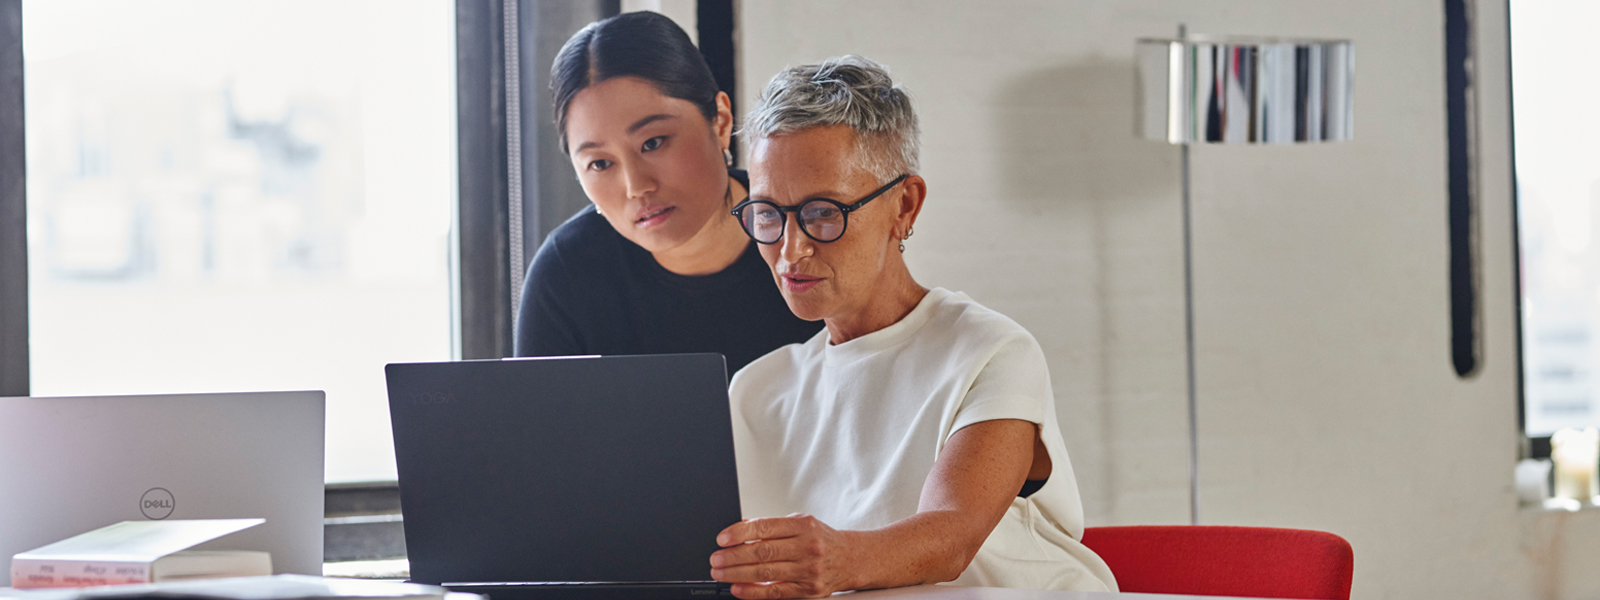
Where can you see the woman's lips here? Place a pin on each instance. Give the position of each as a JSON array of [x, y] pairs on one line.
[[655, 216], [799, 283]]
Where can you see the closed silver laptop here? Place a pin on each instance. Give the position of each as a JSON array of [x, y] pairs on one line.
[[74, 464]]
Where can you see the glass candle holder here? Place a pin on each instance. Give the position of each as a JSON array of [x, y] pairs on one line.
[[1576, 454]]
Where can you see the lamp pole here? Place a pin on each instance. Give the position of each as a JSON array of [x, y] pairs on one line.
[[1188, 332]]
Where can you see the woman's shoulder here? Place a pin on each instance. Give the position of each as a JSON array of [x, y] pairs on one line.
[[585, 231], [968, 337], [584, 243], [958, 316]]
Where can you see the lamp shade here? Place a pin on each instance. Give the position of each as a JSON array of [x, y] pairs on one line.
[[1202, 89]]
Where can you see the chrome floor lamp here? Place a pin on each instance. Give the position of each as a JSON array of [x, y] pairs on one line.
[[1237, 90]]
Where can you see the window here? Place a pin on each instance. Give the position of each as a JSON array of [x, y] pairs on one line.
[[1558, 211], [236, 195]]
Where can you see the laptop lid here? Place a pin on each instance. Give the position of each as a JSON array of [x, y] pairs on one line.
[[75, 464], [591, 469]]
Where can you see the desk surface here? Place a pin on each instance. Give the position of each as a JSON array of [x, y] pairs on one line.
[[398, 569], [919, 592], [950, 592]]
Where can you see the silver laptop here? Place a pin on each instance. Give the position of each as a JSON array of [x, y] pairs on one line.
[[74, 464]]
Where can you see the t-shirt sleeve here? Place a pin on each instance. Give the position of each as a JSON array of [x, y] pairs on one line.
[[545, 326], [1013, 384]]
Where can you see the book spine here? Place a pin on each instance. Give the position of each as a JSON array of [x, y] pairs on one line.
[[41, 573]]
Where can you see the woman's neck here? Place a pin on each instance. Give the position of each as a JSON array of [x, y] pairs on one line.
[[886, 305], [718, 244]]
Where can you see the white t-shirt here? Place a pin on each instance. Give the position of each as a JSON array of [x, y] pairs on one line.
[[848, 433]]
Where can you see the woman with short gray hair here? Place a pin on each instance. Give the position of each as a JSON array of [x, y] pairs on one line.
[[913, 440]]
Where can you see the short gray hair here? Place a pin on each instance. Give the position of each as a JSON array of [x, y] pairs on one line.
[[847, 90]]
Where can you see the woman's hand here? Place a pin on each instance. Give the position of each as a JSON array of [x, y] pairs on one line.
[[796, 556], [972, 484]]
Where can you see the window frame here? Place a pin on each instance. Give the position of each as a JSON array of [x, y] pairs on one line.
[[484, 272], [481, 233], [13, 207]]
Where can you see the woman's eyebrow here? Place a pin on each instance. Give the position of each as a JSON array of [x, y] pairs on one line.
[[637, 125]]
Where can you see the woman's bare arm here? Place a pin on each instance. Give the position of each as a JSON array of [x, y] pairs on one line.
[[973, 482]]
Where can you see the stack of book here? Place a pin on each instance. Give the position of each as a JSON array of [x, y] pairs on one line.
[[139, 552]]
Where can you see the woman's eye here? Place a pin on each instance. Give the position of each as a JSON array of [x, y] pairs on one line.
[[600, 165], [653, 143]]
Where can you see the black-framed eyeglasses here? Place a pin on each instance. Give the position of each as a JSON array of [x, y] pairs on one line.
[[821, 219]]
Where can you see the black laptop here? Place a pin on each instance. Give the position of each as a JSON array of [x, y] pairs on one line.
[[568, 477]]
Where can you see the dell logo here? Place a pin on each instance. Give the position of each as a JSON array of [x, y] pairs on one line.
[[431, 398], [157, 504]]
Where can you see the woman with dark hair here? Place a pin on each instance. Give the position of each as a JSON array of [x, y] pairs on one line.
[[656, 264]]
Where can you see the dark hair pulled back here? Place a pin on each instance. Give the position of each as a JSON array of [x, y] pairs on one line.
[[646, 45]]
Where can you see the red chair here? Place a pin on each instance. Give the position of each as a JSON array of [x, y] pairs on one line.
[[1255, 562]]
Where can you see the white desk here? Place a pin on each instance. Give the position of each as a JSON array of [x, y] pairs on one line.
[[919, 592], [398, 569]]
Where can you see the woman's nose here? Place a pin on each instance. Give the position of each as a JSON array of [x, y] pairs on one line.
[[796, 243], [641, 181]]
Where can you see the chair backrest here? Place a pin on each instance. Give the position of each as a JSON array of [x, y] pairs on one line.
[[1253, 562]]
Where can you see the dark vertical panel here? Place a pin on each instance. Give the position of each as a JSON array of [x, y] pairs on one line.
[[13, 208], [511, 25], [715, 24], [1464, 343], [482, 226], [534, 96]]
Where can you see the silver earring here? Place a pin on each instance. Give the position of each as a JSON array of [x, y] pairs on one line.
[[727, 156], [902, 247], [598, 211], [910, 231]]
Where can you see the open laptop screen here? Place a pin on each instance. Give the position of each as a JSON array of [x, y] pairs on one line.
[[595, 469], [76, 464]]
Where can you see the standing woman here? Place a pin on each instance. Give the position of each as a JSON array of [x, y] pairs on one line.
[[656, 264]]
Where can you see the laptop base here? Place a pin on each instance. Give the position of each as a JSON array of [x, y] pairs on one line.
[[686, 590]]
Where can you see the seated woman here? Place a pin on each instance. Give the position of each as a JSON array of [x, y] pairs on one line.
[[914, 439]]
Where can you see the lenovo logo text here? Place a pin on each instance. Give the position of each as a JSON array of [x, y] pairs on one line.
[[431, 398]]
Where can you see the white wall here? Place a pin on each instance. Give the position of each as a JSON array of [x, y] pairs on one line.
[[683, 12], [1327, 396]]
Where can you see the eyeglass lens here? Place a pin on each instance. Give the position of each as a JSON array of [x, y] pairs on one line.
[[822, 220]]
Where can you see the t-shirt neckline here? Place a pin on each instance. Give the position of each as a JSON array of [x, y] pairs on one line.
[[887, 337]]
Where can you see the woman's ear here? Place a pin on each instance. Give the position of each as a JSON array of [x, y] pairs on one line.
[[723, 125], [910, 203]]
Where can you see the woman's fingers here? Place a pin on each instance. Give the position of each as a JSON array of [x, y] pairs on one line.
[[787, 557], [785, 549], [764, 529], [766, 572]]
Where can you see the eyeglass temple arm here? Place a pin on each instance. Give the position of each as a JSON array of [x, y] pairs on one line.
[[870, 197]]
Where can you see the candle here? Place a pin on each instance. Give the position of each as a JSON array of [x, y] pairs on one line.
[[1577, 463], [1533, 481]]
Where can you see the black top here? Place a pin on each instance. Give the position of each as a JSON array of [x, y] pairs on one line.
[[591, 291]]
